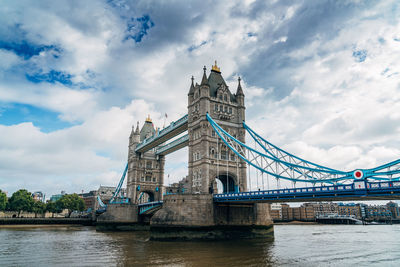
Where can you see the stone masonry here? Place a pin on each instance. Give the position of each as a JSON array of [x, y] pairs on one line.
[[209, 158]]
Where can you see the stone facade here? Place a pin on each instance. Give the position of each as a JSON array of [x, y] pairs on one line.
[[145, 170], [209, 158]]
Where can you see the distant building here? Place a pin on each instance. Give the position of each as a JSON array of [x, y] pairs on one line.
[[350, 209], [89, 199], [323, 208], [394, 209], [276, 212], [56, 197], [377, 212], [38, 196], [310, 211]]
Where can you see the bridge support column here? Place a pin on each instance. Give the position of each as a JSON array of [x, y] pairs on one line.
[[196, 216], [120, 217]]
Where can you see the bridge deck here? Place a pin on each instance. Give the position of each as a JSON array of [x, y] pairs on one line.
[[173, 146], [372, 191], [174, 129]]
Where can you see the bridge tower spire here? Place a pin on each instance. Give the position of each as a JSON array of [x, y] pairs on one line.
[[210, 160]]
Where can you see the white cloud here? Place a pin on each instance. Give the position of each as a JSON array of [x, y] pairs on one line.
[[304, 89]]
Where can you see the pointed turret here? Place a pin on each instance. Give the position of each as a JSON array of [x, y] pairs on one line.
[[240, 100], [137, 128], [204, 80], [135, 135], [191, 91], [239, 90]]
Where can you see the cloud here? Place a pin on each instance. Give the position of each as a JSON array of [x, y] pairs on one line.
[[320, 79]]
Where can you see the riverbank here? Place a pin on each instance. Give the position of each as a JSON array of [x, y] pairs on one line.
[[295, 223], [46, 221]]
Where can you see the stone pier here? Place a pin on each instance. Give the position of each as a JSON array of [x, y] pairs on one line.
[[121, 217], [197, 217]]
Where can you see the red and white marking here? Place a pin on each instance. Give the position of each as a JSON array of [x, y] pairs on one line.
[[358, 174]]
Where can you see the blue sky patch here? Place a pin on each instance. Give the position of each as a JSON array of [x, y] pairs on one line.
[[51, 77], [25, 49], [360, 55], [46, 120], [194, 47], [137, 28]]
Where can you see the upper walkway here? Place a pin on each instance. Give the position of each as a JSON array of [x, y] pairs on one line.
[[172, 130]]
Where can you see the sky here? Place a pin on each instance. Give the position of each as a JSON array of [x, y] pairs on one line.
[[320, 78]]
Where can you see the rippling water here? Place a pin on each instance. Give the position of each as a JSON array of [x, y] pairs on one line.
[[294, 245]]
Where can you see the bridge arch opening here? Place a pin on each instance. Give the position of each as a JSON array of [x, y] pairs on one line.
[[145, 196], [226, 183]]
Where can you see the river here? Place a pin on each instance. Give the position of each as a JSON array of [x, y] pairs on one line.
[[294, 245]]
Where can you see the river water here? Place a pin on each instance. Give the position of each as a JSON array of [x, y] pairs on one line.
[[294, 245]]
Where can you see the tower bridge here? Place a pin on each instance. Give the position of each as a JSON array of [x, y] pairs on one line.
[[214, 131]]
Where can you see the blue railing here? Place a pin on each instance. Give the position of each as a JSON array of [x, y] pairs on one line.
[[358, 188], [148, 206]]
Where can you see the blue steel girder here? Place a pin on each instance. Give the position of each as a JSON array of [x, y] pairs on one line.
[[277, 168], [172, 130], [173, 146], [389, 171], [282, 165], [119, 186]]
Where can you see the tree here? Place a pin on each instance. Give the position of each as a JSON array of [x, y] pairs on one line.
[[21, 201], [53, 207], [3, 200], [71, 202], [38, 207]]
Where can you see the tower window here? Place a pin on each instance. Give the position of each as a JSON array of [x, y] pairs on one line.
[[223, 154], [220, 97], [148, 165], [225, 98]]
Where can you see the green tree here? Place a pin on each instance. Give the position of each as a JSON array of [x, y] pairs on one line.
[[53, 207], [71, 202], [38, 208], [3, 200], [21, 201]]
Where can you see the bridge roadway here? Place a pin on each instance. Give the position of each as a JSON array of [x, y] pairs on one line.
[[358, 191], [171, 131]]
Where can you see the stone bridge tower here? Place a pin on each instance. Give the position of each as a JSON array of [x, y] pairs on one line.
[[145, 170], [209, 159]]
